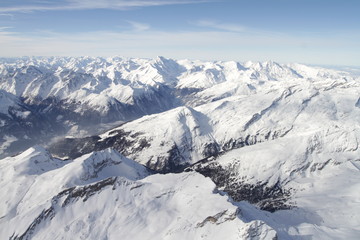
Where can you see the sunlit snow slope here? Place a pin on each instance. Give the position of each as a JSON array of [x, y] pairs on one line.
[[105, 195], [201, 150]]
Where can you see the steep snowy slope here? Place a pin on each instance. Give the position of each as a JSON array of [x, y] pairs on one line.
[[295, 108], [33, 177], [75, 94], [99, 196], [25, 177], [278, 147]]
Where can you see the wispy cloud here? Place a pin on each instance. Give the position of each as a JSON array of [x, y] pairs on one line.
[[139, 27], [2, 29], [207, 45], [230, 27], [123, 4], [7, 15], [91, 4]]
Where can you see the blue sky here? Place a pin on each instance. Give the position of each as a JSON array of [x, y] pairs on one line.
[[306, 31]]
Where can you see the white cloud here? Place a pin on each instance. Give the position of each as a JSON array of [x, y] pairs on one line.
[[136, 26], [4, 28], [220, 26], [92, 4], [207, 45], [7, 15]]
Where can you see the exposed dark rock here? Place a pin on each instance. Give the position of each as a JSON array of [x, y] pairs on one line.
[[70, 148], [173, 163], [266, 198], [76, 147], [211, 149], [219, 218], [126, 144], [253, 231], [357, 104], [86, 191]]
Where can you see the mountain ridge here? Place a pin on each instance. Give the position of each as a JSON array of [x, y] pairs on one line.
[[283, 138], [74, 94]]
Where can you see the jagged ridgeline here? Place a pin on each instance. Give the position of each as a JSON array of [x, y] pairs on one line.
[[43, 98]]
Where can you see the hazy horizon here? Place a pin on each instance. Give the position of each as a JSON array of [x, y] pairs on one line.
[[318, 33]]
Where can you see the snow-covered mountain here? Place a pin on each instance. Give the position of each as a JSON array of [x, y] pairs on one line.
[[105, 195], [283, 138], [49, 97]]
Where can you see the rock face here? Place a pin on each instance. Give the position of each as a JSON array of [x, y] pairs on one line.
[[279, 138]]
